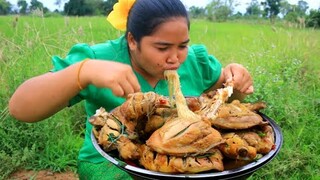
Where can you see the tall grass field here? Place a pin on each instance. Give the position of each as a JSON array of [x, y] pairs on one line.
[[284, 62]]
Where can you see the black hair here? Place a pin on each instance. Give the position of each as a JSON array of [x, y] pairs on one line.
[[146, 15]]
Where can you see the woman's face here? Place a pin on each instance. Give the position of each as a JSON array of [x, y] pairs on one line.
[[165, 49]]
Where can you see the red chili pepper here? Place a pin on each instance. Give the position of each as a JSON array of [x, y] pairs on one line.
[[163, 101]]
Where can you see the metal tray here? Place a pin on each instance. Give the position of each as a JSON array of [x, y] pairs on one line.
[[241, 172]]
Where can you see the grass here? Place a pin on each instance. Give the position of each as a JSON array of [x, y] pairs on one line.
[[283, 61]]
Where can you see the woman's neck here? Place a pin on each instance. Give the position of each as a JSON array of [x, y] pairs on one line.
[[151, 80]]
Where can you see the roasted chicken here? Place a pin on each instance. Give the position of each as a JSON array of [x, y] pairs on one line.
[[119, 129], [184, 135], [212, 160]]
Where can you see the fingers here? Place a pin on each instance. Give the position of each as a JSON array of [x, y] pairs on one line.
[[117, 90], [243, 83], [228, 75], [123, 89], [118, 77], [250, 90], [240, 77], [132, 79], [128, 85]]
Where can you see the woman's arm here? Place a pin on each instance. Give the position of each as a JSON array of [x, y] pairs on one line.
[[42, 96]]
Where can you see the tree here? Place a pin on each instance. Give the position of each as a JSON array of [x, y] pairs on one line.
[[223, 13], [77, 8], [23, 5], [88, 7], [254, 8], [292, 17], [285, 8], [219, 10], [237, 15], [302, 8], [294, 13], [313, 20], [271, 9], [59, 2], [5, 7], [35, 4], [108, 6], [96, 6], [197, 12]]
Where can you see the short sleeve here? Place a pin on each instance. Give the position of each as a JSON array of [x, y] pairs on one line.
[[77, 53], [208, 65]]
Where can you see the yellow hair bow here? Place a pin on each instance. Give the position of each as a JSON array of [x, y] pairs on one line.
[[119, 15]]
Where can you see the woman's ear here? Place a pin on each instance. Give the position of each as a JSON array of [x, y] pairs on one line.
[[133, 45]]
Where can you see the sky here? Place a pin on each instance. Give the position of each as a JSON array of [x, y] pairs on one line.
[[313, 4], [243, 4]]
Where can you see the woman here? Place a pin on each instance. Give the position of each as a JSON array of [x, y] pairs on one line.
[[156, 39]]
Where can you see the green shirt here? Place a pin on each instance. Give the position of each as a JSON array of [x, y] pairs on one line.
[[198, 73]]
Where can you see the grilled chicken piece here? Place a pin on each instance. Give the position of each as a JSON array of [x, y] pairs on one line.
[[119, 129], [261, 138], [180, 137], [158, 118], [235, 147], [110, 134], [154, 161], [186, 134], [105, 127], [255, 106], [213, 100], [137, 106], [246, 144], [236, 115]]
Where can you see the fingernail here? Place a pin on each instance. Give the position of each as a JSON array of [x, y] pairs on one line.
[[251, 89], [229, 80]]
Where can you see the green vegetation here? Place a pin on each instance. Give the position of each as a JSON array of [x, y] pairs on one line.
[[215, 10], [283, 61]]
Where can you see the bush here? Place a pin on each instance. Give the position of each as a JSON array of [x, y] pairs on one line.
[[313, 20]]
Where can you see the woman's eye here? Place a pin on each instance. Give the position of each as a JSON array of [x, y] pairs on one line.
[[183, 47], [162, 49]]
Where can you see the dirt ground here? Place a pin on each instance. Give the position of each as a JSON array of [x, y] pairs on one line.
[[42, 175]]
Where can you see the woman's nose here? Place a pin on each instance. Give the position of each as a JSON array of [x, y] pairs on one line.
[[173, 58]]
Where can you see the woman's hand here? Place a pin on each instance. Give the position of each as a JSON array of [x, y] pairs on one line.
[[39, 97], [118, 77], [240, 77]]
